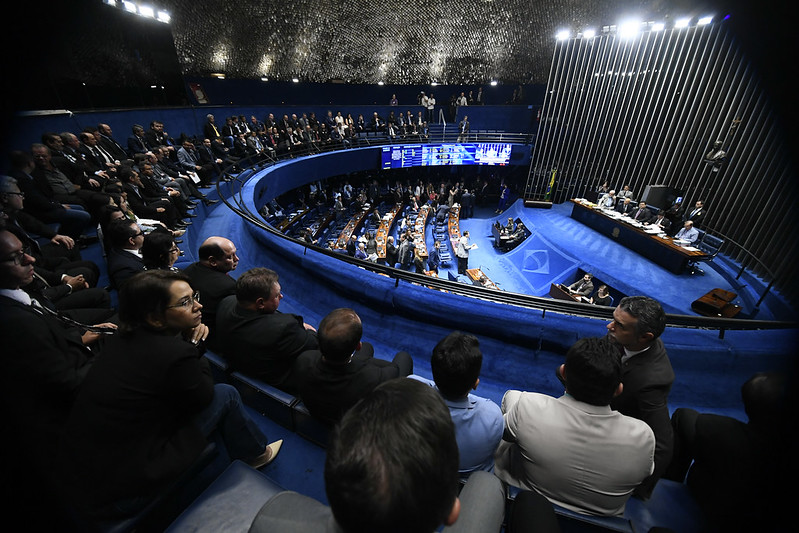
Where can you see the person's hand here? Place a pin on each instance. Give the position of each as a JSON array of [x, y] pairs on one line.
[[63, 240], [90, 337], [160, 209], [309, 327], [197, 334], [76, 282], [94, 183]]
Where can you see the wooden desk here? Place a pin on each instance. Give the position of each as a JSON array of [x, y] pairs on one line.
[[661, 250], [323, 221], [454, 227], [385, 228], [717, 302], [291, 220], [352, 226], [478, 277], [560, 292], [419, 226]]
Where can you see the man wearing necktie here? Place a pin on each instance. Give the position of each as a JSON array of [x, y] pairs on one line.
[[642, 214], [697, 213]]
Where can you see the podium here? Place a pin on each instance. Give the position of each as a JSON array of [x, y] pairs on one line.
[[718, 303], [560, 292]]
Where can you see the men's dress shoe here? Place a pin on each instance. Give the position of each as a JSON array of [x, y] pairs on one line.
[[268, 456], [178, 233], [192, 204], [209, 201], [179, 241], [190, 215]]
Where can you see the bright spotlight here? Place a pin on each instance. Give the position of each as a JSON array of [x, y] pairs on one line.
[[164, 17], [493, 83], [295, 80], [629, 29], [380, 83], [147, 11], [658, 26], [589, 34], [562, 35], [704, 21], [130, 7], [682, 23]]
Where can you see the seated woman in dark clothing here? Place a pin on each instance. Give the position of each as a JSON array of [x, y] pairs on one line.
[[160, 251], [148, 405]]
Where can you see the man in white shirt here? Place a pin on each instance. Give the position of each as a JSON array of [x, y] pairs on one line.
[[688, 233], [576, 450]]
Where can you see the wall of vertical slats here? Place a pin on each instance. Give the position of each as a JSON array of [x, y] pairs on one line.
[[647, 110]]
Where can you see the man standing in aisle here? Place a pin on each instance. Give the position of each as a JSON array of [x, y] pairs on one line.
[[462, 252]]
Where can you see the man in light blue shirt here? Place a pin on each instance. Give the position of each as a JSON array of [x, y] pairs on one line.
[[688, 233], [456, 364]]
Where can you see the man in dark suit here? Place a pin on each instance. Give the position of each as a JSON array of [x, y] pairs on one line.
[[124, 258], [105, 138], [626, 207], [145, 204], [736, 467], [210, 129], [45, 362], [583, 287], [661, 220], [641, 213], [647, 376], [136, 142], [343, 370], [255, 337], [210, 276], [697, 214]]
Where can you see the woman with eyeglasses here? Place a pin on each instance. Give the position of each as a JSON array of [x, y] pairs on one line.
[[149, 405], [160, 251]]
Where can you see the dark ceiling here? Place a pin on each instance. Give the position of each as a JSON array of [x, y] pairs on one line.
[[396, 42]]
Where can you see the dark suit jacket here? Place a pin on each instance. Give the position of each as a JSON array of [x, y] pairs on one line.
[[132, 427], [626, 209], [647, 379], [213, 286], [44, 364], [263, 346], [122, 266], [644, 217], [328, 391]]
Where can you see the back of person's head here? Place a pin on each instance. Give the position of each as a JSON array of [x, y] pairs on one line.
[[119, 232], [339, 334], [125, 173], [20, 160], [210, 248], [392, 462], [649, 312], [256, 283], [592, 371], [456, 364], [145, 295], [156, 249], [764, 396]]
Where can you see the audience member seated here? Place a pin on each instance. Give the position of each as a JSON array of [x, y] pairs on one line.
[[159, 251], [516, 238], [602, 296], [392, 467], [53, 183], [332, 378], [146, 205], [124, 257], [456, 364], [44, 364], [660, 221], [583, 287], [211, 277], [688, 233], [607, 200], [736, 469], [255, 337], [576, 450], [72, 219], [641, 214], [626, 207], [149, 406], [638, 322]]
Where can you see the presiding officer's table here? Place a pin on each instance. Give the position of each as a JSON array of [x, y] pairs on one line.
[[659, 248]]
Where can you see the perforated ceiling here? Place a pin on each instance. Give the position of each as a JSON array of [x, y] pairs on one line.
[[395, 41]]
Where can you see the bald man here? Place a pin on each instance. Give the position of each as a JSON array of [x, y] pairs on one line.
[[211, 277]]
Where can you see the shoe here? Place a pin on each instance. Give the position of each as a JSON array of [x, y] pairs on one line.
[[209, 201], [179, 241], [178, 232], [191, 205], [268, 456], [189, 215]]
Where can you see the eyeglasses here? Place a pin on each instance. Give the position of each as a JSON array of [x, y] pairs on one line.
[[18, 257], [187, 303]]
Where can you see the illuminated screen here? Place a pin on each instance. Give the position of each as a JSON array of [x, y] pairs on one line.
[[423, 155]]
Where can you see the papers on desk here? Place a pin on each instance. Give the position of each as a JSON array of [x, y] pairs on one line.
[[654, 230], [691, 249]]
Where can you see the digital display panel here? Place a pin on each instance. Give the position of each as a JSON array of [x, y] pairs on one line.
[[422, 155]]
